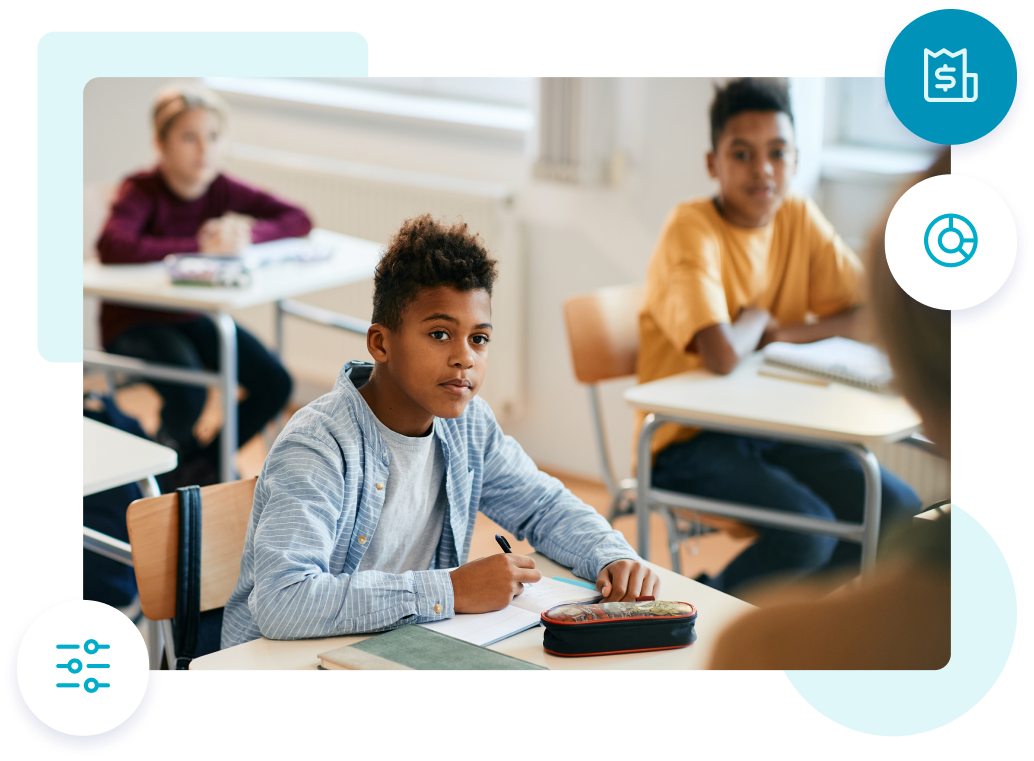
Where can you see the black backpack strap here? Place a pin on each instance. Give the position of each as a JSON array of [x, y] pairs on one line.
[[188, 576]]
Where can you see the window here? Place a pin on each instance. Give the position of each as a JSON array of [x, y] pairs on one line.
[[502, 104]]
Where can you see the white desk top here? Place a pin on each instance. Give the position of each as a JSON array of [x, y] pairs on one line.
[[149, 285], [744, 398], [714, 611], [112, 457]]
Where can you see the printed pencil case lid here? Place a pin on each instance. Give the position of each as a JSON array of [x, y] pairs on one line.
[[608, 628]]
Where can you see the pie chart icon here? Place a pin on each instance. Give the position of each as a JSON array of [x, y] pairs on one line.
[[951, 240]]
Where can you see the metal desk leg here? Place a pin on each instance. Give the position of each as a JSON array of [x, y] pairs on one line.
[[149, 487], [644, 467], [871, 511], [227, 331], [278, 333], [278, 329], [155, 645]]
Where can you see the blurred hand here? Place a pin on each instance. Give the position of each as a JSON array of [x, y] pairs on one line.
[[490, 583], [226, 235], [625, 580]]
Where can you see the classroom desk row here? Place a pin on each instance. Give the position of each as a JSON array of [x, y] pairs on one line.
[[743, 402]]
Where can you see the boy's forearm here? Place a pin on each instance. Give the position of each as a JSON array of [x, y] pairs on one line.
[[722, 346], [850, 323], [324, 605]]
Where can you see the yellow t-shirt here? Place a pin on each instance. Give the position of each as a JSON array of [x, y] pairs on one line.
[[705, 270]]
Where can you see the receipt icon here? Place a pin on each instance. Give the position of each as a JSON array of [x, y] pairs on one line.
[[946, 79]]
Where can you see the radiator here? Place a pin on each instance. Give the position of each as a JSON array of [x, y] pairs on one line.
[[928, 474], [371, 202]]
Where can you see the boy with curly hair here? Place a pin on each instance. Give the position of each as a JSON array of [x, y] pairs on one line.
[[365, 506]]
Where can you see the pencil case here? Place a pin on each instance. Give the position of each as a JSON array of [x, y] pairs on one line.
[[608, 628]]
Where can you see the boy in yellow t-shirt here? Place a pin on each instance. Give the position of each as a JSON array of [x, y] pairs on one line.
[[730, 274]]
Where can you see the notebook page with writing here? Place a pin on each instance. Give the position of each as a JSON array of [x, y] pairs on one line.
[[522, 613]]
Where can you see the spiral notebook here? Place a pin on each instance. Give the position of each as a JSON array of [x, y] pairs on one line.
[[838, 359]]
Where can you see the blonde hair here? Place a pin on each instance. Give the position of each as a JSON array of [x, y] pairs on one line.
[[175, 100]]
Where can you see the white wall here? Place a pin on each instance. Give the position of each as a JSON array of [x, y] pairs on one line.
[[576, 238]]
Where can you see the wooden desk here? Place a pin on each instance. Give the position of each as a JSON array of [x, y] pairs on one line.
[[715, 611], [112, 458], [750, 404], [148, 285]]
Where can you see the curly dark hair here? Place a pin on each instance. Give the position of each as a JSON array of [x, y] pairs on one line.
[[425, 253], [747, 94]]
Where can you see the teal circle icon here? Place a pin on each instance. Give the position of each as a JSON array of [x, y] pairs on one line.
[[951, 240], [950, 76], [91, 685], [74, 666], [92, 646]]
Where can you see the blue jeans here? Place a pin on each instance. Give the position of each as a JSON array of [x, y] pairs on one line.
[[806, 480], [195, 344]]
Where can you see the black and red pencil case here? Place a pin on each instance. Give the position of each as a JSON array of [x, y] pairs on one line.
[[609, 628]]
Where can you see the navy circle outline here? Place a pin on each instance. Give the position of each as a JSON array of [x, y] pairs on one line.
[[973, 240], [69, 744], [982, 147], [984, 312]]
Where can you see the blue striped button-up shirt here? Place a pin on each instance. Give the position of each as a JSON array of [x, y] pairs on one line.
[[317, 505]]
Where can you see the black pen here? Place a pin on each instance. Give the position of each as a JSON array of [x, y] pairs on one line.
[[503, 543]]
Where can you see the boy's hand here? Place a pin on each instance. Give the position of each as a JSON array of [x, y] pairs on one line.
[[625, 580], [490, 583], [228, 234]]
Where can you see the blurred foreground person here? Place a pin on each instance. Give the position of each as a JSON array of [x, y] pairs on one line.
[[901, 617]]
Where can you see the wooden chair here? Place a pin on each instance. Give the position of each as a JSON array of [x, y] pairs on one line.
[[153, 525], [603, 332]]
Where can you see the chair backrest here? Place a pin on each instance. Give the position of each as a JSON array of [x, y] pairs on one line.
[[603, 331], [153, 525]]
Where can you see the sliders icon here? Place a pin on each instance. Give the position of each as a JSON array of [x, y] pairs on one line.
[[74, 666]]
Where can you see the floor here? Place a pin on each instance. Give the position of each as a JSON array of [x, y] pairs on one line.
[[709, 554]]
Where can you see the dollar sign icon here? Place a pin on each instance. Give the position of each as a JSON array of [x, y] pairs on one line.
[[940, 74]]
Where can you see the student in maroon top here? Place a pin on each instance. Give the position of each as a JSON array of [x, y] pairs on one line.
[[185, 205]]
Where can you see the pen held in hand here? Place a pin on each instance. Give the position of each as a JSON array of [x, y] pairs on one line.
[[501, 541]]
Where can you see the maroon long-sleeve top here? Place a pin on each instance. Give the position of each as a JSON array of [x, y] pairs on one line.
[[149, 221]]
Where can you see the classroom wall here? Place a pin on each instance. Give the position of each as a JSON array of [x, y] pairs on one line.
[[576, 238]]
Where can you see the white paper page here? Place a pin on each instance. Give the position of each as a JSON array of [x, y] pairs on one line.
[[284, 250], [543, 595], [486, 628], [836, 356]]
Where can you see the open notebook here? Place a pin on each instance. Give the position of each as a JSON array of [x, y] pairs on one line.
[[839, 359], [522, 613], [235, 271]]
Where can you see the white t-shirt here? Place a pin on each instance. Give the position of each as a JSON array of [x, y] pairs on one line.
[[414, 505]]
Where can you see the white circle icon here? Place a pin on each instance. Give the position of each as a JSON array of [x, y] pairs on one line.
[[951, 242], [82, 668]]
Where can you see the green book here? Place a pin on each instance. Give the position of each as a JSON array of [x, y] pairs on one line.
[[414, 647]]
